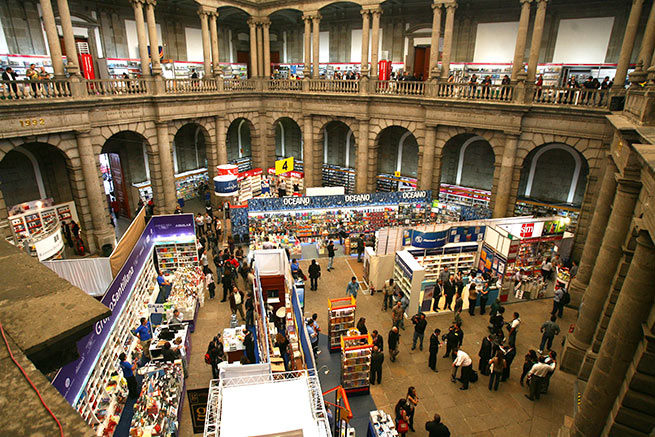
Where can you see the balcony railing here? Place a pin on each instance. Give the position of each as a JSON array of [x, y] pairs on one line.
[[570, 96], [116, 87], [42, 89], [11, 91]]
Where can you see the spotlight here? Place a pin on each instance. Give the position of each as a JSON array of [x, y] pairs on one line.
[[326, 372]]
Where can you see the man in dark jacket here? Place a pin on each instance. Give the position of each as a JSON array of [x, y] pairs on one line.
[[393, 341], [249, 344], [330, 251], [436, 428], [485, 354], [377, 358], [377, 340], [449, 288], [314, 273], [228, 277], [419, 329], [434, 349], [454, 339]]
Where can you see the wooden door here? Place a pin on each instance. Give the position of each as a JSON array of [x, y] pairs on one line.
[[244, 58], [421, 61]]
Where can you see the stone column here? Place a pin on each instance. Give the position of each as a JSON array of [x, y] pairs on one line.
[[206, 41], [434, 41], [595, 234], [307, 69], [221, 142], [166, 164], [501, 202], [260, 50], [537, 36], [427, 170], [102, 233], [152, 35], [308, 150], [375, 32], [316, 22], [362, 157], [253, 47], [609, 255], [623, 335], [628, 45], [266, 25], [448, 39], [53, 38], [365, 30], [141, 35], [213, 31], [69, 38], [648, 41], [521, 39]]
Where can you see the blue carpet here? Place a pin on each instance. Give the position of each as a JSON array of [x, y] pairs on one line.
[[360, 405]]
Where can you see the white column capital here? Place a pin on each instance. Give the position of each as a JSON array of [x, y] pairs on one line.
[[252, 22], [365, 12], [436, 6], [202, 13], [265, 22]]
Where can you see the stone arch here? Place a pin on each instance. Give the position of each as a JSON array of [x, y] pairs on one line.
[[224, 6], [240, 138], [555, 173], [191, 155], [337, 144], [397, 150], [326, 3], [146, 129], [288, 137]]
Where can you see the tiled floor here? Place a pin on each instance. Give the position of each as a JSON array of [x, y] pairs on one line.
[[474, 412]]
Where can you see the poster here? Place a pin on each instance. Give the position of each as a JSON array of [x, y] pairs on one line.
[[428, 295]]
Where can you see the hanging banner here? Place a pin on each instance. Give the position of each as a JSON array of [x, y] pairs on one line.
[[283, 165]]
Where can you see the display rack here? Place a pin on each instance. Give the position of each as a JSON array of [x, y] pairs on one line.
[[356, 362], [408, 275], [387, 183], [460, 257], [341, 318], [562, 277], [187, 183], [176, 254], [97, 405], [35, 221], [243, 164], [250, 184], [336, 176], [464, 195], [187, 293], [144, 189], [528, 207]]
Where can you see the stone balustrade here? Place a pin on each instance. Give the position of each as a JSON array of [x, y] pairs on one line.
[[11, 91]]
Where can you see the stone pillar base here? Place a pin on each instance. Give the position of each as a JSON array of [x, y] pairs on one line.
[[573, 355], [158, 85], [587, 364], [576, 291]]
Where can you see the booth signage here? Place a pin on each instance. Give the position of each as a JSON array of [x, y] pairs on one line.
[[431, 240], [525, 230], [49, 246], [283, 165], [71, 378]]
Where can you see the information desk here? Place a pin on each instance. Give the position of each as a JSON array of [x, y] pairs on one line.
[[233, 343], [168, 333]]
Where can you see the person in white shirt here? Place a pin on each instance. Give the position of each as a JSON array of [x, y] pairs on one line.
[[463, 361], [267, 244], [513, 329], [177, 316], [537, 376]]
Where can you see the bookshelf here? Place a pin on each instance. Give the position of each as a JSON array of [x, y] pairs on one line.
[[341, 318], [174, 255], [356, 362]]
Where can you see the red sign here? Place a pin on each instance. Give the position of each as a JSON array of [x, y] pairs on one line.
[[526, 230]]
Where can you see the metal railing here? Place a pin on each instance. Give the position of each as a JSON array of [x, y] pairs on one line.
[[42, 89], [116, 87], [400, 88], [185, 86], [465, 91], [333, 86], [570, 96]]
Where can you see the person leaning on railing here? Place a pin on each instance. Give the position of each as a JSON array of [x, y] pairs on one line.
[[44, 77], [10, 76]]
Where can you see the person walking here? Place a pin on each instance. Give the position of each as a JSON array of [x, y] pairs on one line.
[[531, 359], [497, 365], [558, 302], [394, 342], [397, 314], [513, 329], [549, 330], [352, 288], [536, 377], [360, 247], [485, 354], [314, 271], [462, 361], [377, 358], [434, 349], [419, 329], [330, 252], [388, 290], [454, 339], [209, 282], [437, 429]]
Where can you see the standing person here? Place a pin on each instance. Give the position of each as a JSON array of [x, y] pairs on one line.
[[377, 358], [250, 279], [394, 342], [314, 271], [531, 359], [352, 288], [67, 233], [397, 314], [330, 251], [484, 296], [401, 418], [419, 329], [162, 282], [463, 361], [387, 294], [444, 275], [33, 76], [436, 428], [250, 310], [459, 304], [313, 335], [497, 365], [218, 226], [449, 291], [404, 303], [226, 280], [360, 247], [144, 332], [377, 340], [454, 339], [485, 354], [536, 377], [558, 302], [209, 282], [361, 326], [200, 224], [128, 374], [236, 302], [434, 349], [513, 329], [249, 344], [509, 354], [75, 229], [549, 330], [10, 76], [473, 298], [412, 402]]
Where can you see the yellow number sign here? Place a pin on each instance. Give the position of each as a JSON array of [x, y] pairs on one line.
[[283, 165], [396, 174]]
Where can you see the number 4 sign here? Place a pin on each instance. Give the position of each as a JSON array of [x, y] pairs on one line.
[[283, 166]]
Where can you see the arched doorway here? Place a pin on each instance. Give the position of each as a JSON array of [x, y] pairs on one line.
[[234, 35], [339, 156], [286, 36], [397, 167], [467, 171], [553, 181], [288, 139], [125, 169], [239, 143], [190, 161]]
